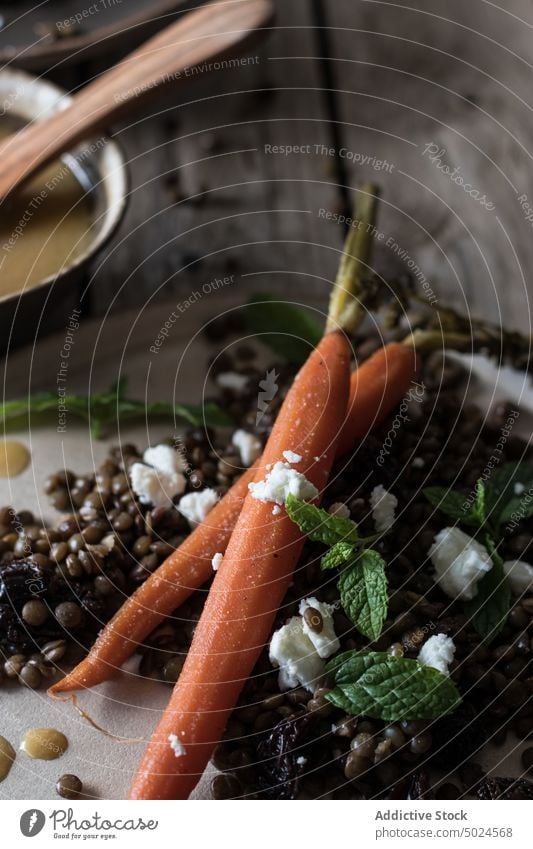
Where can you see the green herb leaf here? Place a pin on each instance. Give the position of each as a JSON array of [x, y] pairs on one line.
[[453, 504], [391, 688], [503, 505], [318, 524], [478, 510], [288, 329], [336, 556], [490, 607], [363, 591], [104, 410]]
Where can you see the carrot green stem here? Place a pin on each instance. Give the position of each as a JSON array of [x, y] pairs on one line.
[[346, 302], [435, 340]]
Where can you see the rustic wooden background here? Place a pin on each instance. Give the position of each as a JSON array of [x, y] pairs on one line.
[[378, 79]]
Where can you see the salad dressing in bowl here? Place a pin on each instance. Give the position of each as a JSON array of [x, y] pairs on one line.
[[46, 225]]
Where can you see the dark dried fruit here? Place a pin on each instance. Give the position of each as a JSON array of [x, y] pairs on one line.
[[21, 580], [419, 786], [414, 786], [13, 635], [279, 752], [505, 788]]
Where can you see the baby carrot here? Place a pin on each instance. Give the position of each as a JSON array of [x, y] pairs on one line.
[[376, 388], [259, 561], [249, 586]]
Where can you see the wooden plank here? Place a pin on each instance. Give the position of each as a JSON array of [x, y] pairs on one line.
[[214, 191], [443, 85]]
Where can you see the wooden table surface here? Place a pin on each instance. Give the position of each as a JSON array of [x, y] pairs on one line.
[[416, 97]]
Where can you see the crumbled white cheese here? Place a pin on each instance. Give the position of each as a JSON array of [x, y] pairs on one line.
[[294, 653], [325, 642], [301, 761], [520, 576], [153, 487], [232, 380], [339, 509], [216, 561], [165, 459], [177, 747], [291, 457], [418, 463], [437, 652], [248, 446], [460, 563], [383, 505], [300, 652], [196, 505], [159, 477], [276, 510], [281, 481], [518, 488]]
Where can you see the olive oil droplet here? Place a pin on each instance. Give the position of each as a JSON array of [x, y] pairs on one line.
[[45, 744], [14, 457]]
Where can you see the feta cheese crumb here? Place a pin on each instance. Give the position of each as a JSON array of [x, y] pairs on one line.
[[276, 510], [159, 478], [216, 561], [518, 488], [520, 576], [291, 457], [299, 651], [437, 652], [153, 487], [460, 563], [166, 459], [339, 509], [418, 463], [232, 380], [177, 747], [325, 642], [301, 761], [281, 481], [383, 505], [248, 445], [196, 505], [294, 653]]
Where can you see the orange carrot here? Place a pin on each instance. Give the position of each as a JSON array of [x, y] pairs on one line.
[[264, 548], [250, 583], [376, 387]]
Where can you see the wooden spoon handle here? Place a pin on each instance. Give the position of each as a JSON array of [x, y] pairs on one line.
[[212, 31]]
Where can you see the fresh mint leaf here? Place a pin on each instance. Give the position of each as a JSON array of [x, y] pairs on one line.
[[447, 501], [340, 553], [501, 500], [490, 607], [363, 592], [391, 688], [453, 504], [288, 329], [318, 524], [478, 509]]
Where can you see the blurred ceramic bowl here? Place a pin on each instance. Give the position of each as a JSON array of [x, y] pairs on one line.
[[101, 170]]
